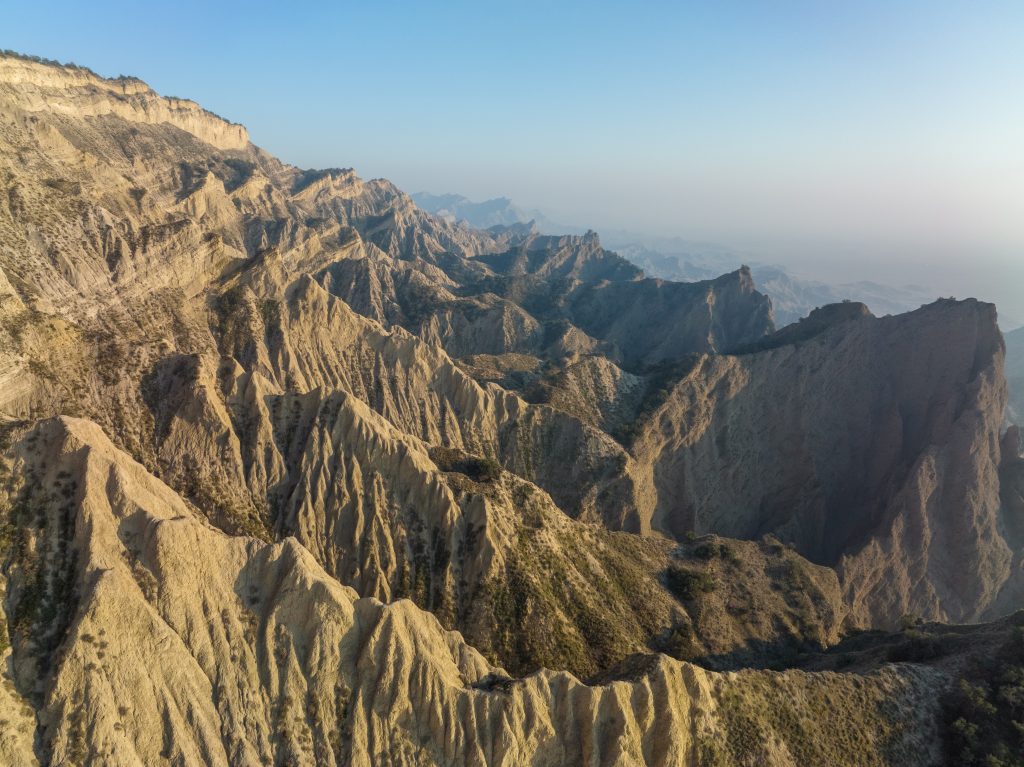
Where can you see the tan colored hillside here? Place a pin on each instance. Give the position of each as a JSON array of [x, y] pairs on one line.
[[293, 472]]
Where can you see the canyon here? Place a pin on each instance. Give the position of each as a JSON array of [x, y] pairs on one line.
[[296, 472]]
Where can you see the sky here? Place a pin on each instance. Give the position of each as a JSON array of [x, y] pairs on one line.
[[867, 140]]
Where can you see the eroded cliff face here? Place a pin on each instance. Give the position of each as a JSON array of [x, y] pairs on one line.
[[871, 444], [284, 430], [263, 657], [32, 88]]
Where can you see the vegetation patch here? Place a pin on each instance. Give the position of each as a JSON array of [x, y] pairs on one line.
[[680, 641], [478, 469], [836, 721], [984, 712], [579, 601], [661, 379], [226, 511], [39, 529], [687, 584], [707, 550]]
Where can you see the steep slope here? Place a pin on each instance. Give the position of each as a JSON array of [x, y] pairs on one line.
[[143, 311], [1011, 493], [871, 444], [392, 517], [712, 316], [556, 297], [330, 398], [264, 658]]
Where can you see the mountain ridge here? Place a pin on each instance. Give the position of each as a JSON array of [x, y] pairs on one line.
[[673, 258], [383, 489]]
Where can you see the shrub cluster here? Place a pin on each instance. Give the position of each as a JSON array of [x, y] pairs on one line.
[[985, 711], [687, 584], [710, 550], [478, 469]]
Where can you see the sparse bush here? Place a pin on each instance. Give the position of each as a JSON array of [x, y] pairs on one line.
[[909, 621], [711, 549], [916, 648], [661, 379], [686, 584], [476, 468], [985, 713], [680, 642], [706, 551]]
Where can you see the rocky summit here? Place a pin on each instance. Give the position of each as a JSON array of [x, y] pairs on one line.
[[293, 472]]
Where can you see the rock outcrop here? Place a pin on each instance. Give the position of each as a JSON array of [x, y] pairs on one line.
[[33, 87]]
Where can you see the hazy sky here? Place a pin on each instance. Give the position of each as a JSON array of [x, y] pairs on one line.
[[869, 138]]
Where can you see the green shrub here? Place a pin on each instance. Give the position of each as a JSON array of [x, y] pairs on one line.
[[706, 551], [686, 584], [679, 641], [917, 648], [710, 550], [984, 712], [476, 468]]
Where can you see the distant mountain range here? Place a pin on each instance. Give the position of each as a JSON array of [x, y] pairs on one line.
[[679, 259], [792, 297], [500, 211], [675, 258]]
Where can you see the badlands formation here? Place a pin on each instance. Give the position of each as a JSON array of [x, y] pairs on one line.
[[295, 473]]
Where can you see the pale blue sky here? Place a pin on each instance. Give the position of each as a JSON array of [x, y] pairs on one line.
[[864, 136]]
